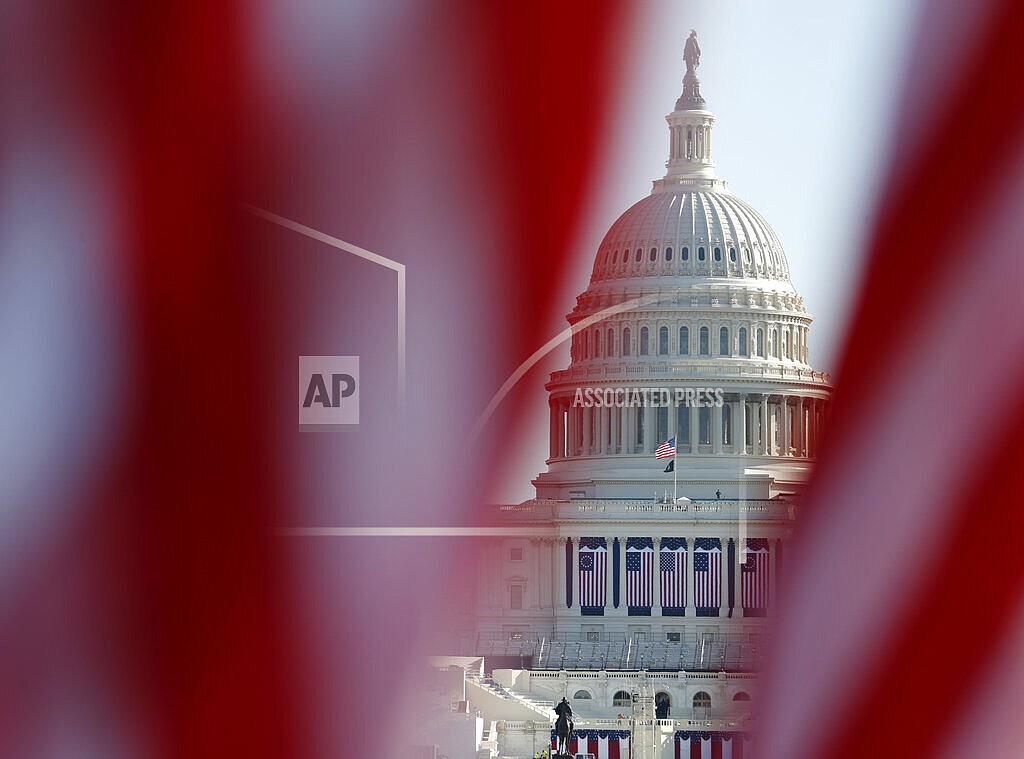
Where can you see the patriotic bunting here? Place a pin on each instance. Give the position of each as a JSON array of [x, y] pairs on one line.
[[639, 575]]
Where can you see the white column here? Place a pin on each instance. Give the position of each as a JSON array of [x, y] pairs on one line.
[[570, 430], [762, 444], [650, 428], [552, 426], [785, 439], [616, 415], [587, 417], [739, 425], [801, 417], [694, 429], [716, 429]]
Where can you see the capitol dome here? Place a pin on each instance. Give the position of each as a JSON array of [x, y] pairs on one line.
[[690, 292], [691, 232]]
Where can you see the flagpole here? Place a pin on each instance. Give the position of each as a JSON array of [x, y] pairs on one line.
[[675, 467]]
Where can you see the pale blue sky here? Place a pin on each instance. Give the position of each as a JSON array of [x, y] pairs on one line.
[[804, 93]]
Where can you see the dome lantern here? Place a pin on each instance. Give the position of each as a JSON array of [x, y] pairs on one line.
[[690, 126]]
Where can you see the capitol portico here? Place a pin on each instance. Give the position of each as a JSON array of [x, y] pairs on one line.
[[647, 564]]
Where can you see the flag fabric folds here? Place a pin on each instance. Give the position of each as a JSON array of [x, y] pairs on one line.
[[707, 576], [666, 450], [593, 568], [639, 575], [755, 578], [672, 569]]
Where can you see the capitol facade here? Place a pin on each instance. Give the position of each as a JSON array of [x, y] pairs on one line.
[[637, 584]]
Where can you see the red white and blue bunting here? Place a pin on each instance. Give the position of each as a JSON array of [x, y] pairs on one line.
[[692, 744], [603, 744]]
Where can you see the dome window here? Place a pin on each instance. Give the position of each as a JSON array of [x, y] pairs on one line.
[[704, 340], [746, 256], [668, 254], [700, 254], [723, 341], [685, 253], [684, 341], [639, 255], [615, 257], [718, 254], [663, 341], [609, 345], [626, 347], [732, 254], [743, 341], [654, 255], [760, 343], [644, 339], [597, 342]]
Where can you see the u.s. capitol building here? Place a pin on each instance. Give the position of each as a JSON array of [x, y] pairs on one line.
[[640, 594]]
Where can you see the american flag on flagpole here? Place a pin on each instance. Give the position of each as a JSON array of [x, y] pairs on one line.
[[707, 573], [672, 566], [754, 572], [639, 573], [666, 450], [593, 573]]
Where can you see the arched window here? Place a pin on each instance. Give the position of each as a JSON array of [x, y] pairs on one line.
[[597, 342], [741, 696], [746, 255], [663, 341], [626, 347], [775, 342], [732, 254], [685, 253], [582, 695], [644, 338], [760, 343], [668, 254], [615, 256], [702, 700], [639, 255], [700, 254], [654, 254], [684, 341], [704, 340], [723, 342], [743, 341], [585, 337], [621, 698], [718, 254]]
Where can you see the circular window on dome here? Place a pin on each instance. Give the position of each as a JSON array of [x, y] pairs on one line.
[[668, 254], [718, 254], [732, 254], [685, 253], [639, 255], [700, 254], [654, 254]]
